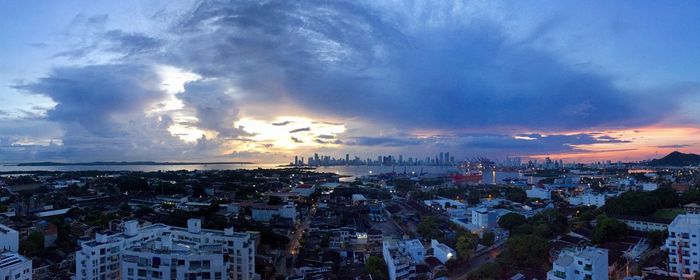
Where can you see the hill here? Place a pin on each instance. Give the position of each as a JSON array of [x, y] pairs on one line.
[[677, 158]]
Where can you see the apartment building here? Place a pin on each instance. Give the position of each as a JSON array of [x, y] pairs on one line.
[[14, 266], [401, 258], [682, 245], [165, 252], [589, 263]]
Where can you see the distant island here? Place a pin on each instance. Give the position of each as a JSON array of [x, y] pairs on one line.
[[101, 163], [677, 158]]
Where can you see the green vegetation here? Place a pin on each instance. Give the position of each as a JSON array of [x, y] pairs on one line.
[[608, 229], [511, 221], [33, 246], [488, 238], [428, 227], [657, 237], [669, 213], [642, 203], [465, 245], [525, 251], [375, 266], [516, 195]]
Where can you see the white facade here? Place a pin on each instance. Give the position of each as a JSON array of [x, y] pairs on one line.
[[682, 244], [576, 264], [9, 239], [164, 258], [643, 224], [442, 252], [265, 213], [541, 193], [14, 266], [304, 190], [108, 256], [647, 187], [401, 258], [483, 218], [588, 199]]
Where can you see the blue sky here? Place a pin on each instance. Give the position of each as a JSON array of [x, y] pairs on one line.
[[219, 80]]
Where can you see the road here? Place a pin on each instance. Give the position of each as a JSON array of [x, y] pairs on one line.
[[460, 273], [293, 247]]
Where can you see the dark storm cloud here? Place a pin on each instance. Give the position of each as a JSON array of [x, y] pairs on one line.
[[382, 141], [296, 140], [97, 98], [282, 123], [323, 141], [300, 130], [345, 59], [529, 144]]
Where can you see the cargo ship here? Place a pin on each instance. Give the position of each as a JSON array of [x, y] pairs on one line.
[[468, 177]]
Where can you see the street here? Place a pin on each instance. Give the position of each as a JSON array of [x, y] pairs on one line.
[[483, 257]]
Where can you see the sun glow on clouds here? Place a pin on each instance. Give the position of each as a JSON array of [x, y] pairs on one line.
[[173, 81], [642, 143], [288, 133]]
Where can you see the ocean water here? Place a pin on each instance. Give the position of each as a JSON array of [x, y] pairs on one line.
[[350, 172]]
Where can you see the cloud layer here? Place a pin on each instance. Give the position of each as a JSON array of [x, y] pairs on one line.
[[444, 78]]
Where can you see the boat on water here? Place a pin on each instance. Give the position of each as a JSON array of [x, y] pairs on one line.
[[466, 177]]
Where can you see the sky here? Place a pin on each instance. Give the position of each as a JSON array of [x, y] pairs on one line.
[[266, 80]]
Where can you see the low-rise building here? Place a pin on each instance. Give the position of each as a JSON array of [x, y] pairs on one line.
[[442, 252], [14, 266], [9, 239], [401, 258], [580, 264], [588, 199], [645, 224]]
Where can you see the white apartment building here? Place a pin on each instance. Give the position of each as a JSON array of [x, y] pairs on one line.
[[9, 239], [682, 244], [14, 266], [541, 193], [580, 264], [442, 252], [111, 255], [588, 199], [165, 258], [647, 187], [401, 258], [262, 212], [482, 218]]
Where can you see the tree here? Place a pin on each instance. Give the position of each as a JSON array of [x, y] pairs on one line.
[[526, 251], [274, 200], [473, 198], [488, 238], [523, 229], [375, 266], [656, 237], [557, 222], [428, 227], [516, 195], [465, 245], [487, 271], [34, 245], [608, 229], [511, 220]]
